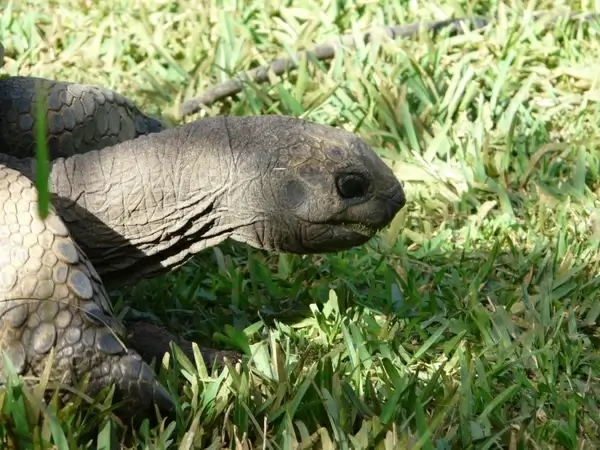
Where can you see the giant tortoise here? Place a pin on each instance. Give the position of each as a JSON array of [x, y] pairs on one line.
[[132, 198]]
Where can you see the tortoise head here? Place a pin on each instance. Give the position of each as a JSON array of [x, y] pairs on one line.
[[302, 187], [276, 183]]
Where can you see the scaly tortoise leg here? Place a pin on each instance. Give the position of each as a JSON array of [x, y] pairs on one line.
[[152, 342], [51, 297]]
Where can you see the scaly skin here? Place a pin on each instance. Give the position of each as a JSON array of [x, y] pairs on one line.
[[79, 117], [146, 205], [51, 297]]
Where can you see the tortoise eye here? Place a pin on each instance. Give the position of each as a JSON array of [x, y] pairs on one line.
[[352, 186]]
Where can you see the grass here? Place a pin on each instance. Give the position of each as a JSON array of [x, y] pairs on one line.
[[470, 323]]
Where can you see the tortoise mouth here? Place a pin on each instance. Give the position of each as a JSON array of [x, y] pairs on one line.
[[359, 228]]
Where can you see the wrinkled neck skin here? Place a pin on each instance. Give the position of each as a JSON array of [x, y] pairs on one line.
[[143, 207]]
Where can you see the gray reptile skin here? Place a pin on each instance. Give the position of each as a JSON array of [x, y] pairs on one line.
[[78, 117], [144, 206], [132, 200], [66, 306]]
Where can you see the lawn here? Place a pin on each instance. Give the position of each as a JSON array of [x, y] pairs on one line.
[[470, 323]]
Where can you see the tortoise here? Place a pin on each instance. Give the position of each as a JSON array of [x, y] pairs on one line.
[[132, 198]]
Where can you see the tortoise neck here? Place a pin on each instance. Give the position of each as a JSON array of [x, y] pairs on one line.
[[143, 207]]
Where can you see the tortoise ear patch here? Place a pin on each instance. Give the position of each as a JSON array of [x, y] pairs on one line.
[[293, 194]]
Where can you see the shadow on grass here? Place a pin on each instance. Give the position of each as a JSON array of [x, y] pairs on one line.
[[477, 327], [496, 320]]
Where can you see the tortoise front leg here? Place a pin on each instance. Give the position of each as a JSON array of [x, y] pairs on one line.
[[51, 298]]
